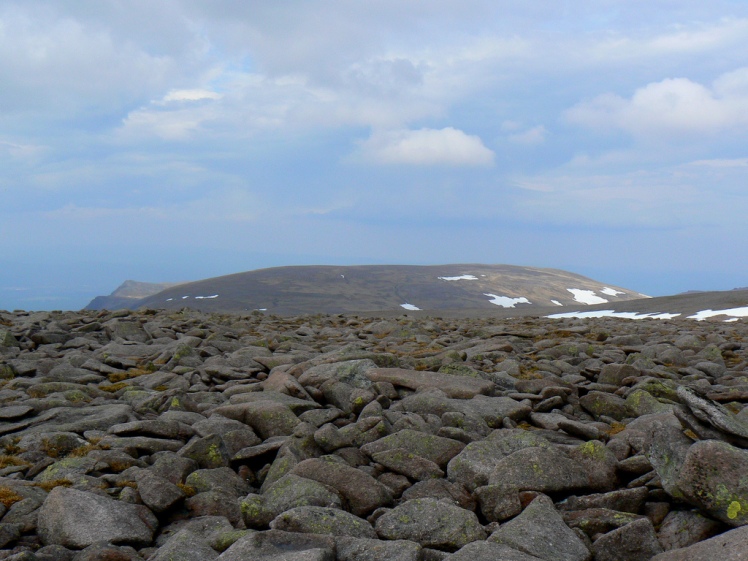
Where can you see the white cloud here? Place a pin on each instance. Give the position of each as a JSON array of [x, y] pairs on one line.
[[530, 137], [671, 107], [191, 95], [427, 147]]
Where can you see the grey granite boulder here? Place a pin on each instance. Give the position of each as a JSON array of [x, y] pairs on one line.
[[435, 449], [635, 541], [730, 546], [682, 528], [323, 520], [489, 551], [540, 531], [547, 470], [276, 545], [288, 492], [363, 549], [185, 546], [713, 478], [432, 523], [362, 492], [67, 516]]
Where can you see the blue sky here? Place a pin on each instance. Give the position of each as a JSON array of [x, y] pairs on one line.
[[183, 139]]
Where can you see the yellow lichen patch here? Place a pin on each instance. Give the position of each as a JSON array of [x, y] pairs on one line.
[[733, 510]]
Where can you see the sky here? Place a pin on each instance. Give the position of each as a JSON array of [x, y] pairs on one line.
[[182, 139]]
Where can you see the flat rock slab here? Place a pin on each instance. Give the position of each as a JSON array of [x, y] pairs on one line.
[[78, 519], [730, 546], [461, 387], [14, 412]]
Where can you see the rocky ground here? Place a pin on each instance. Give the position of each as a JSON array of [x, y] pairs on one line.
[[191, 437]]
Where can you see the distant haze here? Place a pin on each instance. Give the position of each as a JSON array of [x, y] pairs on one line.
[[181, 140]]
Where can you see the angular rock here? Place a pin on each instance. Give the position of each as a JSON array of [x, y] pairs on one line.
[[362, 549], [323, 520], [682, 528], [713, 413], [362, 492], [540, 531], [635, 541], [412, 466], [713, 478], [436, 449], [546, 470], [730, 546], [489, 551], [185, 546], [290, 491], [66, 515], [157, 493], [281, 546], [432, 523], [267, 418]]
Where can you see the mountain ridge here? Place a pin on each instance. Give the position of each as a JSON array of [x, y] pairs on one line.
[[370, 288]]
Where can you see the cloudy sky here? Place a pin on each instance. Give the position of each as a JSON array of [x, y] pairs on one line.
[[183, 139]]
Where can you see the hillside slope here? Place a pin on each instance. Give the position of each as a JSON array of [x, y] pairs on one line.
[[341, 289]]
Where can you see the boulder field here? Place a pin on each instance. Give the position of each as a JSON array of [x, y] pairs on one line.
[[189, 436]]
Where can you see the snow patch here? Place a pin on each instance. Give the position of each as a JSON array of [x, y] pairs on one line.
[[557, 302], [506, 301], [185, 297], [206, 297], [410, 307], [461, 277], [611, 291], [613, 314], [169, 299], [586, 296], [735, 312]]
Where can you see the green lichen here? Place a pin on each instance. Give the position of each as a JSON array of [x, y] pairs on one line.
[[593, 450], [733, 510]]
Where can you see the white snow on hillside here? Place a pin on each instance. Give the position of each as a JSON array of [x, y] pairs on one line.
[[206, 297], [410, 307], [613, 314], [506, 301], [734, 312], [586, 296], [557, 302], [611, 291], [462, 277]]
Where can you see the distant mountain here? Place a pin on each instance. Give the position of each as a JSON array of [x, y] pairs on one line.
[[379, 288], [128, 293]]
